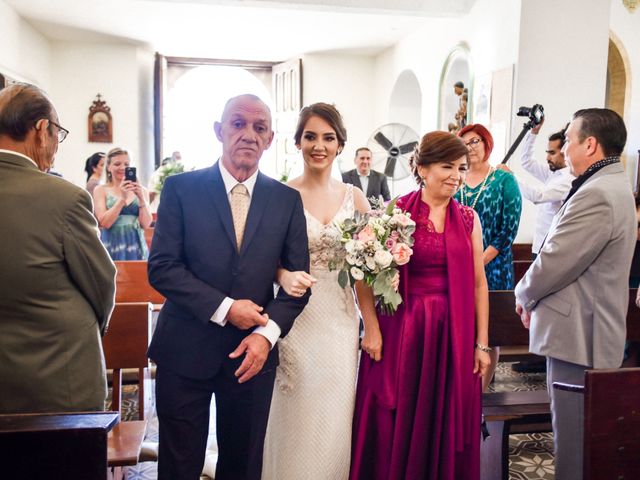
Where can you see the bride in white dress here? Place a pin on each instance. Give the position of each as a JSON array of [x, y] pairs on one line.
[[309, 431]]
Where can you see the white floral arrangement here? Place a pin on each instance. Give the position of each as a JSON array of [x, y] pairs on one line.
[[374, 245], [164, 172]]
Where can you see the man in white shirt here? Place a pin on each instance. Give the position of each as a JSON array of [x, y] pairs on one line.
[[556, 182], [555, 177], [372, 183]]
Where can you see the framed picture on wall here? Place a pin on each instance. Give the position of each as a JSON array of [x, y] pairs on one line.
[[482, 100], [100, 123]]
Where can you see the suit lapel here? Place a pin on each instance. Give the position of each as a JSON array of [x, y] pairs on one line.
[[218, 195], [259, 201], [356, 179]]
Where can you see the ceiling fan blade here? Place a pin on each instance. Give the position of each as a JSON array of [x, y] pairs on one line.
[[407, 147], [390, 167], [383, 140]]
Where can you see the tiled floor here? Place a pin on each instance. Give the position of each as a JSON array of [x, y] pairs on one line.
[[530, 456]]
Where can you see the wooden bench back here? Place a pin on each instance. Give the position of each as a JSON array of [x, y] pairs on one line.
[[125, 346], [65, 445], [132, 283], [612, 423], [506, 329], [521, 251]]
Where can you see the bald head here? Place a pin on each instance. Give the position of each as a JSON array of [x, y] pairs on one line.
[[241, 99]]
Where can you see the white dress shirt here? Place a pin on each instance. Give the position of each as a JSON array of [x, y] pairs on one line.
[[549, 196], [271, 331], [364, 181]]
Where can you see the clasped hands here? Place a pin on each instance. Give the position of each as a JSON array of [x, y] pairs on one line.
[[245, 314]]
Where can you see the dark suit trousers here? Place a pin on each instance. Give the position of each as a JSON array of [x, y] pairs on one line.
[[242, 412]]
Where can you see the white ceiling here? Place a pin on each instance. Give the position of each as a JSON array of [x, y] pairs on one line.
[[270, 30]]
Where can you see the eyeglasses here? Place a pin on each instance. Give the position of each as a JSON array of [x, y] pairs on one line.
[[62, 132], [473, 142]]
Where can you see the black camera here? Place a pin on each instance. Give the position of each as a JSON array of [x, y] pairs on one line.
[[130, 174], [535, 113]]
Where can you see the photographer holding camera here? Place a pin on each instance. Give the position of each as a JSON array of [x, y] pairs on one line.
[[555, 177]]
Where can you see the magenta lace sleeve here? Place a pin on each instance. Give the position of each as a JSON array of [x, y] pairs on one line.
[[467, 218]]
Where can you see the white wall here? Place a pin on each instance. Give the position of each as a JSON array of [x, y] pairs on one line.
[[24, 53], [563, 66], [490, 32], [346, 81], [121, 74]]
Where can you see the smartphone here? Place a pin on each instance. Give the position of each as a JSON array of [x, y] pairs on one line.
[[130, 174]]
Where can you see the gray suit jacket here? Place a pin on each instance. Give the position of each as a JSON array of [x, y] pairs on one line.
[[577, 288], [57, 286], [377, 183]]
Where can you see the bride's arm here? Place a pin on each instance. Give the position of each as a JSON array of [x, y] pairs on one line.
[[372, 340], [294, 283]]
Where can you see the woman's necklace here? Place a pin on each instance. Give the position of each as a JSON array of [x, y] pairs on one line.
[[464, 195]]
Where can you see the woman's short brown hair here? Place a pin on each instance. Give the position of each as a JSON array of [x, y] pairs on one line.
[[437, 147], [329, 113]]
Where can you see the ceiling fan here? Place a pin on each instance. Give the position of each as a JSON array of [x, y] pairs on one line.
[[391, 148]]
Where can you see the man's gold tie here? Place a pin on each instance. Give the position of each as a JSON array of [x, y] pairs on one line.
[[240, 201]]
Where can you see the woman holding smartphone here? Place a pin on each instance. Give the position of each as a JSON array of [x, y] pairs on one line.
[[122, 209]]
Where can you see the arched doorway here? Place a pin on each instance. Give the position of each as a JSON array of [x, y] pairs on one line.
[[405, 104], [195, 101], [616, 93], [455, 83]]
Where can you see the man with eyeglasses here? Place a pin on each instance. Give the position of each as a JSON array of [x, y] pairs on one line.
[[57, 282]]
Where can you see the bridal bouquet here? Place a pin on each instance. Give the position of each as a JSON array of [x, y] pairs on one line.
[[373, 245]]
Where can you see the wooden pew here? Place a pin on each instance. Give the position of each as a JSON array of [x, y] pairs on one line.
[[132, 283], [611, 422], [521, 251], [123, 446], [65, 445], [125, 346], [520, 267], [520, 412]]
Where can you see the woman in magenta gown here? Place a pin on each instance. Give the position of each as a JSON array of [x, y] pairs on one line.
[[418, 408]]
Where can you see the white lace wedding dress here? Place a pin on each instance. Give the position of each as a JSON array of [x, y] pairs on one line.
[[309, 431]]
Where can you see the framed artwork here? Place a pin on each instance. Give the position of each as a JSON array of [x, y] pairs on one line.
[[100, 123], [482, 100]]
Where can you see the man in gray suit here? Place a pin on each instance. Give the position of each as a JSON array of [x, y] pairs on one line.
[[57, 282], [574, 296], [372, 183]]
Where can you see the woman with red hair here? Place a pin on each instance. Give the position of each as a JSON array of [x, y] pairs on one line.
[[495, 196]]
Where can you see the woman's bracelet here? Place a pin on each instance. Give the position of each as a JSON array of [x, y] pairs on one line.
[[484, 348]]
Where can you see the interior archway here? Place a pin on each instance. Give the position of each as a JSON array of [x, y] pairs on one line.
[[405, 104], [457, 68]]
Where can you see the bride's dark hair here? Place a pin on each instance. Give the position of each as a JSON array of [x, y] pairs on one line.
[[329, 114], [437, 147]]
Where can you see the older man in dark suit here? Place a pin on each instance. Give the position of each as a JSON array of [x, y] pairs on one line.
[[57, 282], [372, 183], [221, 234]]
